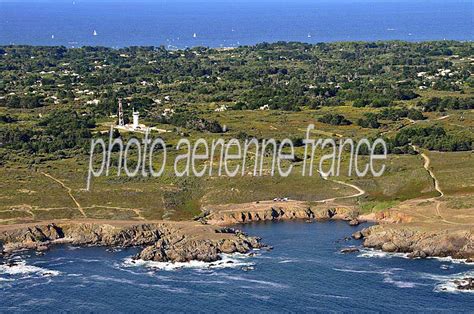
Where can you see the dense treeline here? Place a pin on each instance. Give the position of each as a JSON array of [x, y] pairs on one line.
[[334, 119], [432, 138], [443, 104], [61, 130], [191, 121], [286, 76], [388, 80]]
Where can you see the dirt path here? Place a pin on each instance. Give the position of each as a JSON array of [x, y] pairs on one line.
[[135, 210], [360, 191], [69, 191], [437, 187]]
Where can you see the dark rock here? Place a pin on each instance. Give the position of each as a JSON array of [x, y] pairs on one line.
[[465, 284], [11, 263], [354, 222], [417, 254], [349, 250]]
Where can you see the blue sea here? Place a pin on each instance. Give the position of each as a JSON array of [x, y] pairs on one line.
[[229, 23], [304, 272]]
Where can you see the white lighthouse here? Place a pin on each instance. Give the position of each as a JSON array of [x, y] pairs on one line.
[[136, 116]]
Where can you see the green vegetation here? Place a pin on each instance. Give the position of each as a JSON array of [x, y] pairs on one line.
[[443, 104], [53, 100], [433, 138], [334, 119]]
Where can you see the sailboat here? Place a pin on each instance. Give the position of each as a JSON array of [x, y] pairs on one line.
[[52, 36], [309, 35], [195, 35], [95, 33]]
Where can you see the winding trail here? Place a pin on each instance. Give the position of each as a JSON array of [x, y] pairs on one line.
[[69, 191], [135, 210], [437, 187], [360, 191]]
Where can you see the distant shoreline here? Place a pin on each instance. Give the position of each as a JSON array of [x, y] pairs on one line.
[[242, 46]]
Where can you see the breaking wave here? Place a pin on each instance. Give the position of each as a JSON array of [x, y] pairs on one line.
[[445, 283], [373, 253], [21, 268], [236, 260]]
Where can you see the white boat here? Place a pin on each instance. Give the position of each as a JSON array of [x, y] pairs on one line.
[[195, 35], [52, 36], [95, 33], [309, 35]]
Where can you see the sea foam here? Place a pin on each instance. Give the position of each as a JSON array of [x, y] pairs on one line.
[[21, 268], [235, 260]]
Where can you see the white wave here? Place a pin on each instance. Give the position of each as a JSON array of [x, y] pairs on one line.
[[255, 281], [21, 268], [332, 296], [380, 272], [450, 287], [449, 259], [445, 283], [398, 283], [226, 261], [75, 275], [106, 279], [286, 261], [261, 297], [371, 253]]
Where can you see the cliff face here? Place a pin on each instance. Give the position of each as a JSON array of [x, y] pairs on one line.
[[163, 242], [267, 211], [418, 242]]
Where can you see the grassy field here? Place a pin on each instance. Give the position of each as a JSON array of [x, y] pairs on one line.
[[40, 190]]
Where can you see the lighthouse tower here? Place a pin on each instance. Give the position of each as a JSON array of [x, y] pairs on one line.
[[136, 116]]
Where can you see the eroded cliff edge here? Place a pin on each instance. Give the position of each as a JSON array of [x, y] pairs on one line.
[[420, 242], [162, 242], [410, 231], [402, 229]]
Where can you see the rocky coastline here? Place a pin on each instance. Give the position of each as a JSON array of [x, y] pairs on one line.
[[207, 237], [161, 242], [276, 211], [393, 232], [419, 243]]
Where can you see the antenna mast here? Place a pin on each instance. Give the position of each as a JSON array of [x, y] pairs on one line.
[[120, 113]]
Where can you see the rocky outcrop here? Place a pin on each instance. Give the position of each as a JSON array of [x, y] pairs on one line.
[[182, 249], [349, 250], [164, 242], [388, 216], [420, 243], [465, 284], [275, 212]]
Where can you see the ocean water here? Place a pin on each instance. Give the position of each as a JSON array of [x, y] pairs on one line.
[[304, 272], [226, 23]]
